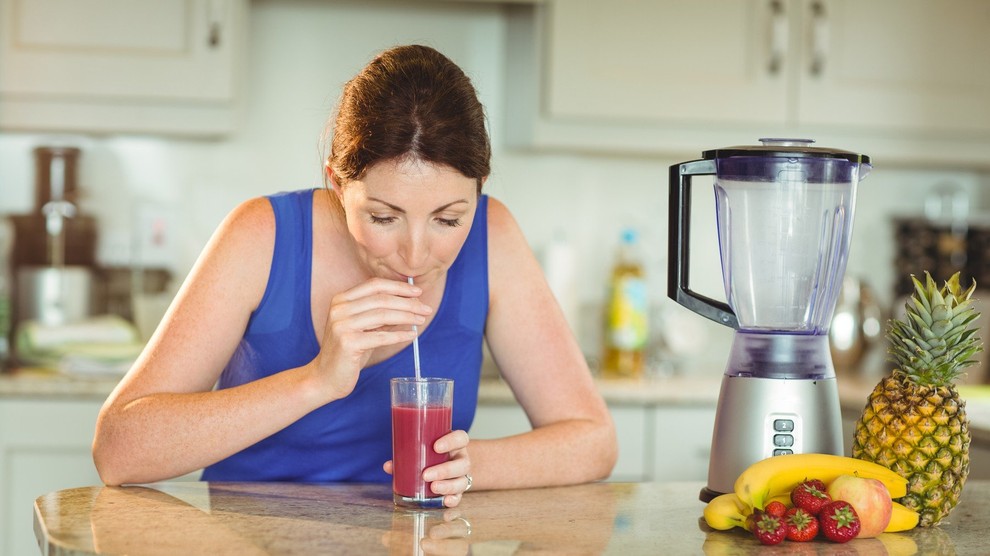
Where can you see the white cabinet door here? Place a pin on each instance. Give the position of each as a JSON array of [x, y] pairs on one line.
[[702, 61], [683, 442], [115, 65], [44, 446], [631, 423], [900, 80], [895, 65]]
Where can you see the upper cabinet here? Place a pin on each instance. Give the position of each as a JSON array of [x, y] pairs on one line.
[[896, 79], [155, 66]]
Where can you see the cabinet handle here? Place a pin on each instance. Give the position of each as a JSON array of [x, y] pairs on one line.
[[216, 14], [778, 36], [214, 40], [819, 38]]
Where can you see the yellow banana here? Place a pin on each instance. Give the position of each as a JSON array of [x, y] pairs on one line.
[[778, 475], [726, 511], [901, 519]]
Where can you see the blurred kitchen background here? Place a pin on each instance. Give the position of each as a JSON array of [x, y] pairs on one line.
[[155, 118], [129, 129]]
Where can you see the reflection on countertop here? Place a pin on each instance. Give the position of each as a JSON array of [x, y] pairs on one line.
[[598, 518]]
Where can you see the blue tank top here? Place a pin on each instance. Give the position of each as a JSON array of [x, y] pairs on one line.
[[349, 439]]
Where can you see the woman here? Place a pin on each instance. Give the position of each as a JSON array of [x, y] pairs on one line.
[[299, 311]]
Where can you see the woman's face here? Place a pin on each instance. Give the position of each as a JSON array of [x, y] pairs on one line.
[[409, 218]]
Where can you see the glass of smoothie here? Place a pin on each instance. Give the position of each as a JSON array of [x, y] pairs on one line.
[[421, 414]]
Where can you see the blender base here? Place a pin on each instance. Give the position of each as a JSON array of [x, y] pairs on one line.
[[762, 417]]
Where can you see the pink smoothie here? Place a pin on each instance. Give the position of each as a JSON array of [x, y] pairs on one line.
[[414, 431]]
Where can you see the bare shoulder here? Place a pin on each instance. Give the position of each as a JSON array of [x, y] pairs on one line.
[[253, 219], [511, 262], [240, 251], [505, 238], [248, 228]]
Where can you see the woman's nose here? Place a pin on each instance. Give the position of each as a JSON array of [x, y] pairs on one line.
[[415, 250]]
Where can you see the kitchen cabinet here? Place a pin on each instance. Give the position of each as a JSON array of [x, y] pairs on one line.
[[682, 442], [156, 66], [654, 442], [897, 80], [44, 446]]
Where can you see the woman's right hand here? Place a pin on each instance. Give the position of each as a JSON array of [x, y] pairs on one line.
[[373, 314]]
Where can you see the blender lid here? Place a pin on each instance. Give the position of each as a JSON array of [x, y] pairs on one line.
[[785, 148]]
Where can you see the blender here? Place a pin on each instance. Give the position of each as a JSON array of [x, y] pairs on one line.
[[784, 211]]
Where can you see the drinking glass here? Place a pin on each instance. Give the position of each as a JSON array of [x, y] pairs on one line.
[[421, 414]]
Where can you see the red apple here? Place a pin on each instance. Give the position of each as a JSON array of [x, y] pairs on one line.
[[869, 497]]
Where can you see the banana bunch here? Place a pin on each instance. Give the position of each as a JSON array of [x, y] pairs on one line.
[[727, 511], [778, 475], [774, 478]]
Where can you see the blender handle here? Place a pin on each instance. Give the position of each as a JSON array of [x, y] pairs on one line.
[[678, 245]]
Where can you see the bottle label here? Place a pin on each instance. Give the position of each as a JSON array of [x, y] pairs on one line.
[[628, 314]]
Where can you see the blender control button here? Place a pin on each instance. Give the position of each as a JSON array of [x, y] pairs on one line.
[[782, 452], [783, 425], [783, 440]]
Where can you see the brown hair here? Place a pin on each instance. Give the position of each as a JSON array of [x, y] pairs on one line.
[[410, 101]]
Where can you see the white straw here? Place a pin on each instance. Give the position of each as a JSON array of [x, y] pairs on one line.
[[415, 342]]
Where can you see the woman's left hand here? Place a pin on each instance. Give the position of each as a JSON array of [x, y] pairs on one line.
[[452, 477]]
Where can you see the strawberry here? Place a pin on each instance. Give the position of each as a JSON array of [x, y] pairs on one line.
[[769, 529], [810, 496], [838, 521], [775, 508], [801, 526], [752, 518]]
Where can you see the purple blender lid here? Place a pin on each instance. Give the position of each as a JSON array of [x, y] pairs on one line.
[[785, 148], [766, 162]]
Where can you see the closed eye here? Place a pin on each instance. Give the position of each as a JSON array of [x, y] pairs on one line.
[[452, 222], [381, 219]]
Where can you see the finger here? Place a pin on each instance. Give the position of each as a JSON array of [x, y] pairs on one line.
[[456, 485], [388, 467], [375, 318], [380, 286], [452, 500], [377, 305], [454, 440]]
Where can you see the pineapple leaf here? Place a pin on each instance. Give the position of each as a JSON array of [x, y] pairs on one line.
[[936, 340], [920, 296], [921, 313]]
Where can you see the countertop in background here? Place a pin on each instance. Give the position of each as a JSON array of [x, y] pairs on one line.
[[675, 390]]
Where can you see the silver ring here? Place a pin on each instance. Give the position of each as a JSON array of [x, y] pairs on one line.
[[470, 482]]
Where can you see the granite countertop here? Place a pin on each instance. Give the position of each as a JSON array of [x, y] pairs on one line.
[[282, 518]]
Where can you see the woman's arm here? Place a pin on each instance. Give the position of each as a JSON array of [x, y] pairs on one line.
[[163, 420], [573, 437]]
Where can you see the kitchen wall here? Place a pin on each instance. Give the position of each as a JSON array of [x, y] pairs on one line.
[[300, 54]]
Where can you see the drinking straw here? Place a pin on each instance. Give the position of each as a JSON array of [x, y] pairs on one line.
[[415, 342]]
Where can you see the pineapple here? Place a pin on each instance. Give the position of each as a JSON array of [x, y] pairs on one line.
[[914, 421]]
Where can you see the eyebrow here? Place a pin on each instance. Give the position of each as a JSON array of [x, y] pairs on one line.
[[399, 209]]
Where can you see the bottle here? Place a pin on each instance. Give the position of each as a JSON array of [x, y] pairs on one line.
[[6, 250], [626, 313]]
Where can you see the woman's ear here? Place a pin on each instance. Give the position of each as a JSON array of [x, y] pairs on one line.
[[331, 179]]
